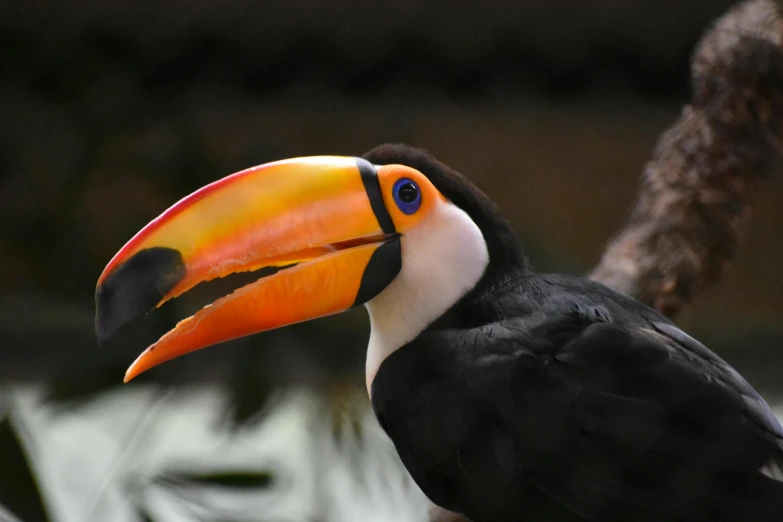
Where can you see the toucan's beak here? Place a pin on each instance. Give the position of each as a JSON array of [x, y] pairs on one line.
[[325, 215]]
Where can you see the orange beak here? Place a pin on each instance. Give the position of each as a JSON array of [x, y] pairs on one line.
[[325, 215]]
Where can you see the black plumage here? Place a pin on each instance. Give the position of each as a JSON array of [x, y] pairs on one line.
[[548, 398]]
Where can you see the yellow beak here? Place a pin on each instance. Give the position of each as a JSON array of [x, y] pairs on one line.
[[324, 214]]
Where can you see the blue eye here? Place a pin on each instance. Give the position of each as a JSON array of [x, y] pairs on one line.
[[407, 195]]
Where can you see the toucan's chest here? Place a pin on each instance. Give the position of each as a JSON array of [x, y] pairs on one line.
[[579, 418], [458, 434], [474, 412], [420, 406]]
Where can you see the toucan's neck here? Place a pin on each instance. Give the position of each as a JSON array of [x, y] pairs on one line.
[[443, 259], [478, 306], [454, 256], [507, 258], [449, 265]]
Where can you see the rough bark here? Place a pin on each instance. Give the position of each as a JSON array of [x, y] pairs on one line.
[[694, 202]]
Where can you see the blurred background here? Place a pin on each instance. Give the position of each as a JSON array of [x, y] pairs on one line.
[[112, 111]]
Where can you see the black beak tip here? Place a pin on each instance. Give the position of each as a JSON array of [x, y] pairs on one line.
[[104, 328], [135, 287]]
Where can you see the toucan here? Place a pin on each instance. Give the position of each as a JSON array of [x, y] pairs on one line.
[[509, 395]]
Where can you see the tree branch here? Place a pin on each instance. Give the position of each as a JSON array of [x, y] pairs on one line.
[[694, 202]]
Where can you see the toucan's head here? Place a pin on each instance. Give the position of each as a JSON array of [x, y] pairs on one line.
[[395, 230]]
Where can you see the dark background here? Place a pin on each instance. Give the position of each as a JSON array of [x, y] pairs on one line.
[[111, 111]]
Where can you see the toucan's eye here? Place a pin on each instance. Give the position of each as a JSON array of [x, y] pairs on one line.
[[406, 195]]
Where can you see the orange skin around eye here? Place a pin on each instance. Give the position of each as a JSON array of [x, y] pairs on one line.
[[430, 196]]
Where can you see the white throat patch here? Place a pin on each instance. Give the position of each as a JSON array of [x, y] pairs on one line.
[[443, 257]]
